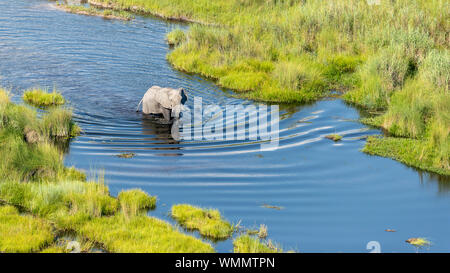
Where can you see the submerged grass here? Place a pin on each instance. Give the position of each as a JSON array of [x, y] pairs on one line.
[[208, 222], [418, 242], [334, 137]]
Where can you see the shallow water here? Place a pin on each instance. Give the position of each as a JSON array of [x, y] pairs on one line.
[[334, 197]]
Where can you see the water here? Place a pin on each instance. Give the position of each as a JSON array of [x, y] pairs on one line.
[[334, 197]]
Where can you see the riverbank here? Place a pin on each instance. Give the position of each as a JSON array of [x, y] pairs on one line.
[[92, 11], [295, 52], [141, 9]]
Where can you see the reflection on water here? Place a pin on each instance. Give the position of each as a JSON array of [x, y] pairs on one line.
[[335, 198], [163, 134]]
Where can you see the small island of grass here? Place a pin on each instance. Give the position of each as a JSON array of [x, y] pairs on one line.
[[41, 98], [334, 137], [208, 222]]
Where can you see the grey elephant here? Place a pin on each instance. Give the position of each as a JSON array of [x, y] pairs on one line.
[[162, 100]]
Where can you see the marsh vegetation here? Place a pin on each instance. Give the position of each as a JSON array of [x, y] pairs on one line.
[[252, 244], [392, 58], [208, 222]]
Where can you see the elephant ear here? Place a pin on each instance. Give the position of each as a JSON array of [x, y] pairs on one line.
[[183, 95], [164, 98], [174, 97]]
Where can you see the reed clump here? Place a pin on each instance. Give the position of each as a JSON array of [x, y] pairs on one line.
[[135, 201]]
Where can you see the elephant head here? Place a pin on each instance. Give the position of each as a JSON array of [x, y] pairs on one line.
[[171, 98]]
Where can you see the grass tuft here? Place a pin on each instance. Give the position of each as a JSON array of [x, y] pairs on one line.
[[176, 37], [58, 123], [249, 244], [208, 222], [135, 201], [418, 242], [42, 98]]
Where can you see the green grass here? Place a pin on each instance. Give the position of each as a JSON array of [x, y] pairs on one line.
[[58, 123], [26, 142], [20, 162], [134, 201], [83, 208], [176, 37], [208, 222], [42, 98], [140, 234], [54, 249], [412, 152], [92, 11], [50, 199], [20, 233], [250, 244]]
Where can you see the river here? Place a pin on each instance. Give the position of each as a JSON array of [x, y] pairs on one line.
[[334, 198]]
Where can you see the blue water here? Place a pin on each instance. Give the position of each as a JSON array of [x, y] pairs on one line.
[[334, 197]]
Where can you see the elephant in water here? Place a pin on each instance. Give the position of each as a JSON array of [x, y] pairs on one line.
[[166, 101]]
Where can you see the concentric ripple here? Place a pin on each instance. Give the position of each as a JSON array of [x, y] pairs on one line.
[[333, 197]]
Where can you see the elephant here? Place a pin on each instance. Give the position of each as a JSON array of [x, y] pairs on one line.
[[165, 101]]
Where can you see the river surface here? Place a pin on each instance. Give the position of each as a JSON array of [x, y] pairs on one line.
[[334, 198]]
